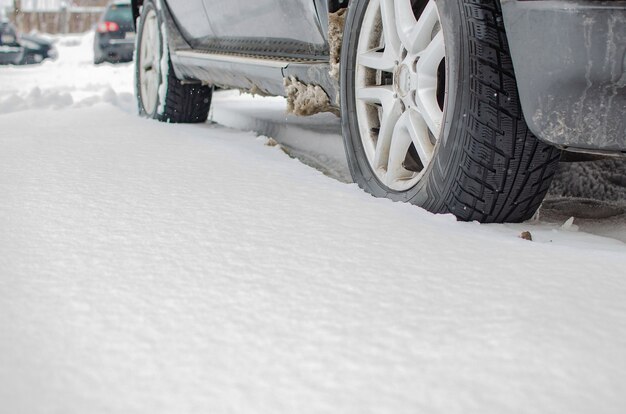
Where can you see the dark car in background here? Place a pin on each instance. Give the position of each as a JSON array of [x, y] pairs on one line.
[[11, 52], [23, 49], [115, 34], [458, 106], [36, 49]]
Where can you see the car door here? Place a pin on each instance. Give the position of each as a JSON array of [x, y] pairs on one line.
[[192, 20], [268, 27]]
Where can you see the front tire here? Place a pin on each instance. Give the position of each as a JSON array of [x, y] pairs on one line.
[[431, 114], [160, 95]]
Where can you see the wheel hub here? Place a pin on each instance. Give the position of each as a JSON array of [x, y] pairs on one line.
[[402, 80]]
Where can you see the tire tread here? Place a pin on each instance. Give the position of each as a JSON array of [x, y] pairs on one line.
[[527, 165], [186, 103]]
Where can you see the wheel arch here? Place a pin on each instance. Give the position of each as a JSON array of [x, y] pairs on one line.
[[136, 5], [334, 5]]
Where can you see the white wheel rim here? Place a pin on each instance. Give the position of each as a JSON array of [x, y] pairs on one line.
[[396, 89], [149, 65]]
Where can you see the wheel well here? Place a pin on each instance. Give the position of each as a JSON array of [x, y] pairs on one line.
[[135, 5], [334, 5]]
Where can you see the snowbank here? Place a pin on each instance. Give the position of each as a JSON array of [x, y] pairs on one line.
[[70, 81]]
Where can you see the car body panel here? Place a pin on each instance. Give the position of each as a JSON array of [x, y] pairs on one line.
[[253, 71], [192, 20], [570, 66], [11, 55], [267, 27]]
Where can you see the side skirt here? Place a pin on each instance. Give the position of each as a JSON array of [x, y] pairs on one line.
[[257, 74]]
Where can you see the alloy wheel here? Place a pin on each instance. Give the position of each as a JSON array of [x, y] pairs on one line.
[[400, 89], [149, 62]]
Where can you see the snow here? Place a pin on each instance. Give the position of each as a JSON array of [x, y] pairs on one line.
[[314, 140], [593, 192], [71, 82], [165, 68], [158, 268]]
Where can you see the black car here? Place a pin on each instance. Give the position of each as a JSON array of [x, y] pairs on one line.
[[459, 106], [115, 34], [23, 49], [36, 49], [11, 52]]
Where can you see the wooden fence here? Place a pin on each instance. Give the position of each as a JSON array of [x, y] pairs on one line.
[[65, 20]]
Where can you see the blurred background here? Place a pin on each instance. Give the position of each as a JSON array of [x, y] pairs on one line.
[[29, 29], [53, 16]]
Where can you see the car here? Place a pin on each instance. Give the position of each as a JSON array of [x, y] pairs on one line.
[[11, 52], [23, 49], [36, 49], [114, 40], [461, 107]]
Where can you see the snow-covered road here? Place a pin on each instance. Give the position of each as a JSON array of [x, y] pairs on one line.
[[158, 268]]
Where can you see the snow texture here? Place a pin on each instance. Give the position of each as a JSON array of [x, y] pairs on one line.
[[158, 268], [314, 140]]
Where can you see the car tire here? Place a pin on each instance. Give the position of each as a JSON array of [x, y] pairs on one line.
[[160, 95], [431, 113]]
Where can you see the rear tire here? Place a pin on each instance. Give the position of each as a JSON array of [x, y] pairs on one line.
[[97, 59], [160, 95], [464, 146]]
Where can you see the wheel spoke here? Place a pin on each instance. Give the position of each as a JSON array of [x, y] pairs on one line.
[[378, 60], [145, 51], [149, 30], [148, 53], [418, 130], [426, 93], [397, 152], [153, 37], [390, 32], [149, 89], [431, 57], [415, 35], [430, 112], [383, 95], [156, 42], [388, 121]]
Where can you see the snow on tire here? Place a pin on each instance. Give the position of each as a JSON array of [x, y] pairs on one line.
[[438, 123], [160, 95]]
